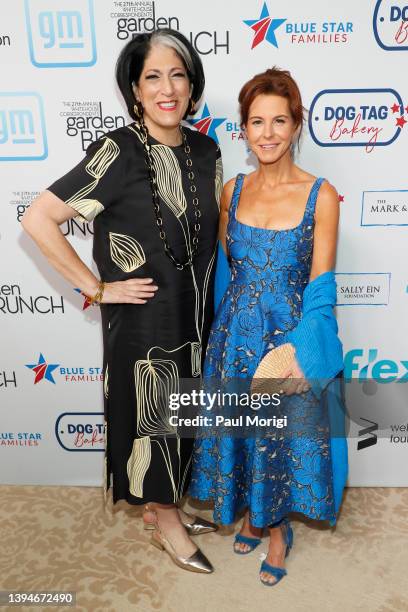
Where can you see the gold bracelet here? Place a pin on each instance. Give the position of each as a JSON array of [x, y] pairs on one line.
[[97, 298]]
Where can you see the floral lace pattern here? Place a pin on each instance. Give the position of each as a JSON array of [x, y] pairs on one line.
[[287, 470]]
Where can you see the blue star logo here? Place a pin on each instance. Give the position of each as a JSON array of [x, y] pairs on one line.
[[207, 124], [42, 369], [264, 28]]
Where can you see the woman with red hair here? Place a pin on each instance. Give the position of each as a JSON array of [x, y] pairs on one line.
[[278, 228]]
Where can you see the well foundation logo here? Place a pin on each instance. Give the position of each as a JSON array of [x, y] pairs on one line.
[[364, 364], [8, 379], [88, 121], [363, 289], [131, 18], [22, 127], [45, 371], [17, 439], [61, 34], [388, 207], [366, 118], [15, 301], [81, 431], [274, 29], [5, 41], [390, 24]]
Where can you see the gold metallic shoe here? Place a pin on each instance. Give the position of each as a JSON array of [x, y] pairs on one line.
[[149, 525], [198, 525], [198, 562], [195, 526]]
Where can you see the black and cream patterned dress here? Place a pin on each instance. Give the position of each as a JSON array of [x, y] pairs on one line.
[[149, 347]]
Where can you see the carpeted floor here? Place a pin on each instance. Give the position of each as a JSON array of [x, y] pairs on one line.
[[64, 538]]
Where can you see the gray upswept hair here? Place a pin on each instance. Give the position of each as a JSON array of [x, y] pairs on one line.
[[168, 40]]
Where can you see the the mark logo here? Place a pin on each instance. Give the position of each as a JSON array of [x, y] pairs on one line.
[[356, 118], [264, 28], [61, 33], [390, 24], [385, 207], [22, 127], [207, 124]]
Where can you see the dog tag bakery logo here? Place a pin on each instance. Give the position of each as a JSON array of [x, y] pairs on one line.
[[61, 33], [87, 120], [132, 18], [357, 289], [385, 207], [81, 431], [366, 118], [390, 24], [22, 127]]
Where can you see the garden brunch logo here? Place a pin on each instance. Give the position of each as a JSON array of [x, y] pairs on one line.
[[270, 29], [366, 118]]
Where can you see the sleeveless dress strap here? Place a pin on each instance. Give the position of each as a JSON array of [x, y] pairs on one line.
[[312, 199], [239, 181]]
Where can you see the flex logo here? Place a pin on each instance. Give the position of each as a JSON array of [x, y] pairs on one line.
[[22, 127], [366, 118], [390, 24], [366, 365], [61, 33]]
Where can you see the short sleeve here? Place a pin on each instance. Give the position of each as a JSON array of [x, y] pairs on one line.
[[94, 184], [218, 176]]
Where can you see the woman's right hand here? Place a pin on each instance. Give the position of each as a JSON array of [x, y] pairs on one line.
[[132, 291]]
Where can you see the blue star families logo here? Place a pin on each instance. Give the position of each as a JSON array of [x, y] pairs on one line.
[[43, 370], [367, 118], [207, 124], [390, 24], [22, 127], [61, 34], [298, 32], [264, 28]]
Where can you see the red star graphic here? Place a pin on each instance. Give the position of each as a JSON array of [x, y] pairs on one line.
[[395, 108], [401, 122], [341, 198], [87, 302]]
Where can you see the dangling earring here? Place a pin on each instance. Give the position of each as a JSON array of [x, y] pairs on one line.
[[138, 110], [192, 108]]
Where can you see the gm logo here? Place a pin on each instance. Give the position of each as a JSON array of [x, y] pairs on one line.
[[356, 118], [390, 24], [368, 430], [61, 33], [22, 127]]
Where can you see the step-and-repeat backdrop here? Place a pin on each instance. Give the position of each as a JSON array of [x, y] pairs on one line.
[[57, 94]]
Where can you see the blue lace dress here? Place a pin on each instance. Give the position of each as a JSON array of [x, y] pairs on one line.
[[280, 473]]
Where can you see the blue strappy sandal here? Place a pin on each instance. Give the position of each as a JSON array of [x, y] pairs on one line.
[[278, 572], [251, 542]]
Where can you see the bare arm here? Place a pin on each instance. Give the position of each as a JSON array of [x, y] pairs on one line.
[[323, 260], [42, 220], [224, 207], [325, 231]]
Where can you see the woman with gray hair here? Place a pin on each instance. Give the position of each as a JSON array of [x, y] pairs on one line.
[[152, 189]]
